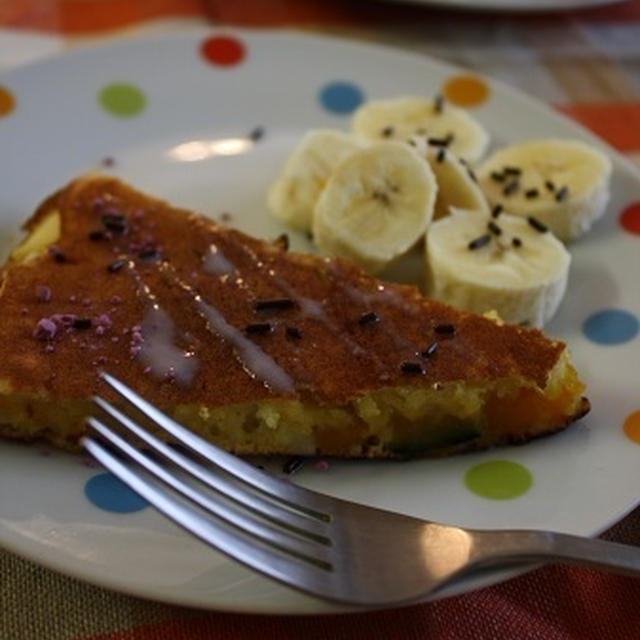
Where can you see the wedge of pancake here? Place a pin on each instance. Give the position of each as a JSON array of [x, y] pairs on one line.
[[260, 350]]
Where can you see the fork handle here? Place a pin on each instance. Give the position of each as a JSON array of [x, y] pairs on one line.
[[492, 548]]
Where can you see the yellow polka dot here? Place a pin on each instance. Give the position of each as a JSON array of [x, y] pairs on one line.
[[632, 426], [466, 91], [7, 101]]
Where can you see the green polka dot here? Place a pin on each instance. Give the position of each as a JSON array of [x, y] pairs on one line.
[[122, 100], [498, 479]]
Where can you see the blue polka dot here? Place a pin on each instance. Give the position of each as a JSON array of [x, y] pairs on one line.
[[109, 493], [341, 97], [611, 326]]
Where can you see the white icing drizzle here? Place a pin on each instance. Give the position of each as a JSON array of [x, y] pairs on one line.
[[216, 263], [256, 362], [159, 351]]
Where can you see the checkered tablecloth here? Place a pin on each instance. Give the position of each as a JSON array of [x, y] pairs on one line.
[[584, 63]]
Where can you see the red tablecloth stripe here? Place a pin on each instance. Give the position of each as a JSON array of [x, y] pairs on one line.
[[555, 603]]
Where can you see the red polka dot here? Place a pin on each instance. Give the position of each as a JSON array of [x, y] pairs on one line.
[[223, 51], [630, 218]]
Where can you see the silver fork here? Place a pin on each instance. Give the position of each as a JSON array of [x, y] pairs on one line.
[[331, 548]]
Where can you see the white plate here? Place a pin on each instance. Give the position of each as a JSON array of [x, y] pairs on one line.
[[584, 478], [514, 5]]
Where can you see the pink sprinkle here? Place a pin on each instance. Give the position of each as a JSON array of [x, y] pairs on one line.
[[72, 298], [100, 330], [43, 293], [134, 351], [49, 348], [65, 319], [116, 300], [321, 465], [115, 339], [147, 370], [46, 329], [104, 320]]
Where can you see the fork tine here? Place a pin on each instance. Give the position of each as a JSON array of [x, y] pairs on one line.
[[272, 511], [314, 504], [303, 549], [286, 569]]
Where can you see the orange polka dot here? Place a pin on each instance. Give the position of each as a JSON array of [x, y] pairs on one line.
[[466, 91], [632, 426], [7, 101]]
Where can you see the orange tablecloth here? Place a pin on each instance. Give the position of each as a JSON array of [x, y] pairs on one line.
[[586, 63]]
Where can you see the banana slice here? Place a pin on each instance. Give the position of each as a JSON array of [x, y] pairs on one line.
[[457, 186], [506, 264], [562, 183], [376, 205], [400, 118], [292, 197]]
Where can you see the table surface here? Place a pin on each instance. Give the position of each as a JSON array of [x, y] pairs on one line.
[[586, 63]]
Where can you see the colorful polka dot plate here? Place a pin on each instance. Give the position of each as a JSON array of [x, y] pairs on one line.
[[205, 120]]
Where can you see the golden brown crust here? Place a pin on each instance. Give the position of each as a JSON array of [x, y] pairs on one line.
[[337, 358]]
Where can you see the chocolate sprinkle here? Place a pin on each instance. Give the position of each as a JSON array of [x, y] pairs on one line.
[[537, 225], [562, 193], [550, 186], [512, 171], [511, 188], [57, 255], [472, 174], [497, 210], [439, 142], [516, 242], [97, 236], [275, 304], [149, 254], [259, 328], [387, 132], [293, 332], [445, 329], [430, 350], [413, 368], [114, 222], [531, 193], [256, 134], [293, 464], [282, 242], [371, 317], [441, 155], [498, 177], [494, 228], [438, 104], [116, 266], [479, 242], [82, 323]]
